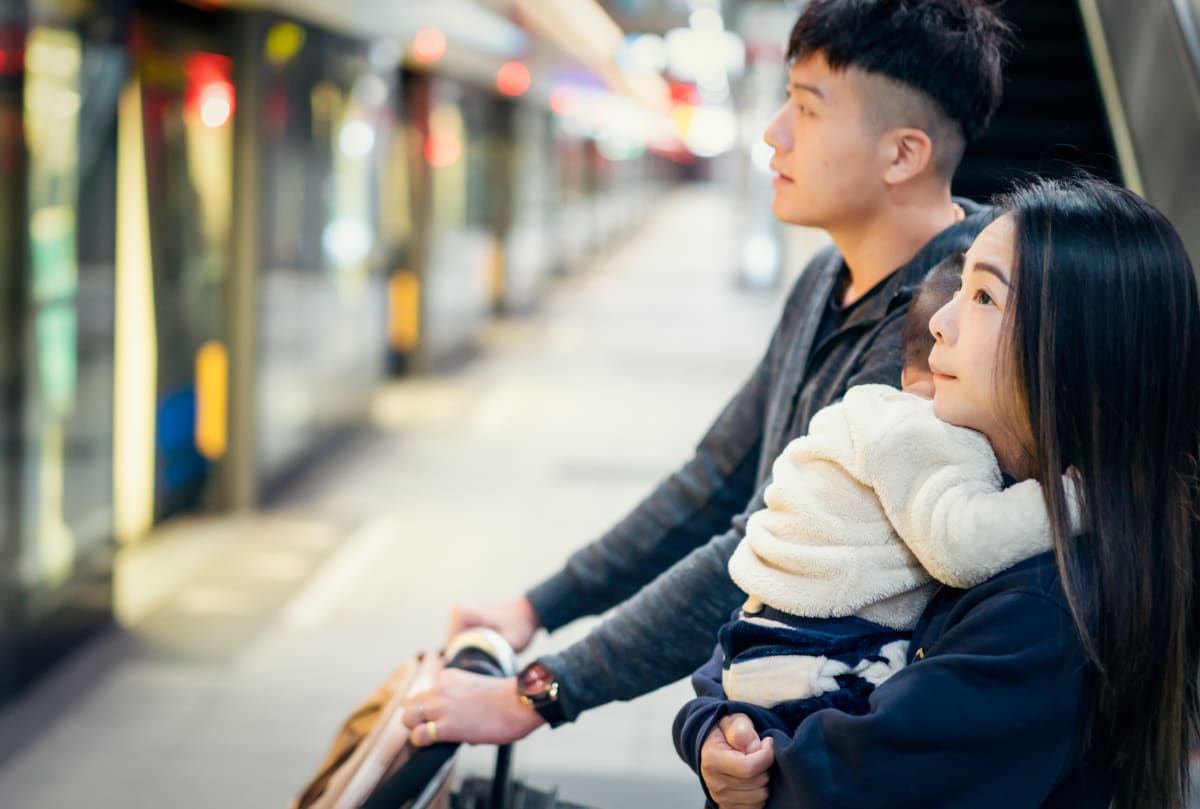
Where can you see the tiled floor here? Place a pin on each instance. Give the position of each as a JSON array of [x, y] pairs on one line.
[[226, 693]]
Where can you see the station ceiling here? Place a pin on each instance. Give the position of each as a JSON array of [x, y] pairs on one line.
[[397, 18]]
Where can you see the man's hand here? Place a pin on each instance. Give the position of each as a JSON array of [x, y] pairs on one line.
[[515, 620], [471, 708], [734, 763]]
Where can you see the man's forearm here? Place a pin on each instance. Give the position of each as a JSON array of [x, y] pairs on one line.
[[682, 514], [657, 637]]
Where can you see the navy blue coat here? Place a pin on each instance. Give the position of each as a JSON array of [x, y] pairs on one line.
[[988, 713]]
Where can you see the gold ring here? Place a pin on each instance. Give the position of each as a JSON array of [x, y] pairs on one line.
[[431, 732], [420, 712]]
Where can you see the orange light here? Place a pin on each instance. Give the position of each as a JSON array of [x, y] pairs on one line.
[[212, 400], [404, 310], [443, 150], [513, 79], [429, 45]]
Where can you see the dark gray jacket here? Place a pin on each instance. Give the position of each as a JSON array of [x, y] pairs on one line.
[[665, 564]]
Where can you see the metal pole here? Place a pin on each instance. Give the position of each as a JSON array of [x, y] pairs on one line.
[[500, 777], [239, 475]]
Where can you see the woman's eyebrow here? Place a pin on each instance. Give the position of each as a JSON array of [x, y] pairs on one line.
[[983, 266]]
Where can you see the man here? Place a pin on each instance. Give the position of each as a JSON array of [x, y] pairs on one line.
[[883, 96]]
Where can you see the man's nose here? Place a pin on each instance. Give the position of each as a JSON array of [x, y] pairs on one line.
[[776, 133]]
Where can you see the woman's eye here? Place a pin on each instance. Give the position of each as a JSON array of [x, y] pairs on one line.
[[981, 296]]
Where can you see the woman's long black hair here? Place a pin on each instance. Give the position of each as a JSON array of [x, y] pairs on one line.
[[1106, 349]]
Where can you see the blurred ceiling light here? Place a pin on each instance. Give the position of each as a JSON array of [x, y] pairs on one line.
[[215, 110], [429, 45], [713, 82], [642, 53], [284, 41], [712, 131], [513, 79], [585, 30], [706, 19], [698, 4], [357, 139], [715, 95], [347, 241], [210, 94], [693, 53]]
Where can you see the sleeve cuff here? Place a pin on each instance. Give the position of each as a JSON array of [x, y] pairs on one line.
[[556, 601]]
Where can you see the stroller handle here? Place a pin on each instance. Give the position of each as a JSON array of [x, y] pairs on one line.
[[481, 651]]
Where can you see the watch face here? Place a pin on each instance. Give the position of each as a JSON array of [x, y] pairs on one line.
[[535, 680]]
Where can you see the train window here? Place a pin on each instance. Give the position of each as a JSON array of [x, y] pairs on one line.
[[70, 89]]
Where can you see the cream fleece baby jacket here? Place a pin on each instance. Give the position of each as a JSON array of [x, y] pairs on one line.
[[879, 497]]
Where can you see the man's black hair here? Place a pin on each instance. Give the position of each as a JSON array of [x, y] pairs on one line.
[[950, 50], [936, 290]]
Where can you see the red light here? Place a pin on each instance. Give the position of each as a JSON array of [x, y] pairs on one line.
[[513, 79], [12, 61], [210, 94], [443, 150], [429, 45], [685, 93]]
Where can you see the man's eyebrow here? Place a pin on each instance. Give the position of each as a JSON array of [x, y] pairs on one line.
[[810, 88], [983, 266]]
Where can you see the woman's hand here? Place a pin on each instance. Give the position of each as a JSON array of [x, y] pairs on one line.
[[466, 707], [734, 763], [515, 620]]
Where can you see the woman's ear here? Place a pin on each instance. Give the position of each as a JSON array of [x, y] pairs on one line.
[[909, 151]]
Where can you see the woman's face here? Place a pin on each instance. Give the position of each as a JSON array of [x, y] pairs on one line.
[[969, 337]]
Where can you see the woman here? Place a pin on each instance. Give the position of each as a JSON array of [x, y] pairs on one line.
[[1069, 680]]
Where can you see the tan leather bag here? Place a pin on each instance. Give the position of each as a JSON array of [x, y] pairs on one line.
[[372, 744]]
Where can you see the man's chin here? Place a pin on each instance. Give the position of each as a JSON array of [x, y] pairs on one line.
[[792, 215]]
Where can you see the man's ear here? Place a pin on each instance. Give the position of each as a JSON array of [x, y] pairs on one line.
[[910, 152]]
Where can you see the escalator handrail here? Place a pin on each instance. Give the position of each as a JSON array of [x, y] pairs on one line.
[[1189, 28]]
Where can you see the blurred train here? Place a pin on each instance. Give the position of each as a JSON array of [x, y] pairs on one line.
[[222, 229]]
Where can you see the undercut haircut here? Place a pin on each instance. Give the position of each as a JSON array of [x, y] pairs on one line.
[[936, 290], [950, 52]]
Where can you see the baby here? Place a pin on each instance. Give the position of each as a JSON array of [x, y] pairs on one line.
[[865, 517]]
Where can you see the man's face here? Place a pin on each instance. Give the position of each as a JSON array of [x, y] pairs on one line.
[[828, 161]]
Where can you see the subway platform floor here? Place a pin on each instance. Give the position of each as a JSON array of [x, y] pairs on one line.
[[247, 638]]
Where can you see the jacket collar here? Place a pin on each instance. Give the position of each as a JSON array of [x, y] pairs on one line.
[[898, 288]]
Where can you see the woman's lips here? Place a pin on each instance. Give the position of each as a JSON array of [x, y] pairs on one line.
[[939, 374]]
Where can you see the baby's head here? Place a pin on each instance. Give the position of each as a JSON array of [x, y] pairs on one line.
[[938, 287]]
